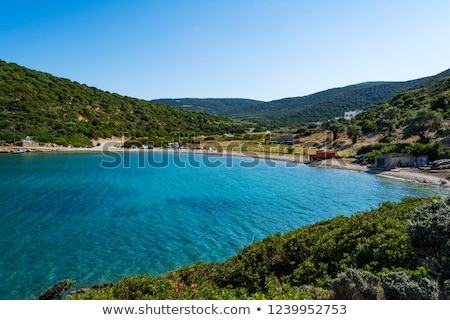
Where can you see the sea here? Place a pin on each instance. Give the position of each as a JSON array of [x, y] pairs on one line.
[[98, 217]]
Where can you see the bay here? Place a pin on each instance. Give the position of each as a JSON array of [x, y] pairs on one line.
[[96, 218]]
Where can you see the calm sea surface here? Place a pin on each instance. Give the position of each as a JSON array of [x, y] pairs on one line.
[[96, 218]]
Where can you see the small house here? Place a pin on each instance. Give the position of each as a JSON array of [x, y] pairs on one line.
[[287, 139], [349, 115], [395, 160], [28, 143]]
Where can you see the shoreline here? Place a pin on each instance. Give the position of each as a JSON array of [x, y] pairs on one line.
[[435, 179]]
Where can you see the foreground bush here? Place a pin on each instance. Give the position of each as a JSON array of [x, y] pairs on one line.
[[366, 256]]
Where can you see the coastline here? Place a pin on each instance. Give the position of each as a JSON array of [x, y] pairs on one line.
[[346, 164], [435, 178]]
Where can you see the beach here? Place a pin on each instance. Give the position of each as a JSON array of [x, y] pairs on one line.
[[433, 178]]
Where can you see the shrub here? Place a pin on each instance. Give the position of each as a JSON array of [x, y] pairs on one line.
[[387, 139], [61, 142], [403, 286], [338, 143], [434, 150], [130, 143], [368, 255], [429, 234], [356, 284]]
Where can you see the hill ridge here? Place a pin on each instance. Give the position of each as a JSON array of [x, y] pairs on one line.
[[325, 104], [61, 111]]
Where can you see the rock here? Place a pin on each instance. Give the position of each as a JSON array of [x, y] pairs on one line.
[[440, 164], [56, 292]]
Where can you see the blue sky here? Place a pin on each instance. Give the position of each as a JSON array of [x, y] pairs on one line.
[[265, 49]]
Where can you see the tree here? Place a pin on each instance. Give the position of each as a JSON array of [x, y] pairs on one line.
[[421, 123], [336, 128], [442, 102], [388, 120], [354, 132]]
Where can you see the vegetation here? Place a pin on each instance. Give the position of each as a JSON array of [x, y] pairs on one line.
[[417, 113], [60, 111], [336, 128], [219, 107], [434, 150], [421, 123], [354, 132], [430, 234], [388, 120], [372, 255], [323, 105], [420, 111]]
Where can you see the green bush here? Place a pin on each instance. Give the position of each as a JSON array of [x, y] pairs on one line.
[[61, 142], [434, 150], [429, 232], [338, 143], [403, 286], [387, 139], [130, 143], [368, 256], [79, 141], [356, 284]]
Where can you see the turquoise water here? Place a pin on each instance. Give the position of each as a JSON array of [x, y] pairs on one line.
[[96, 218]]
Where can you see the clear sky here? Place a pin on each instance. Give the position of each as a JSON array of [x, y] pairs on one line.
[[257, 49]]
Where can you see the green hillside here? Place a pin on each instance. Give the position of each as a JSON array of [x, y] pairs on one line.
[[215, 106], [397, 251], [434, 96], [421, 114], [327, 104], [52, 109]]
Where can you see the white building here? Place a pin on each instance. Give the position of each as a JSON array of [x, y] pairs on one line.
[[349, 115]]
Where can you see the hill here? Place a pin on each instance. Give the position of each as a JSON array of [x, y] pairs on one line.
[[295, 111], [57, 110], [379, 254], [215, 106], [330, 103]]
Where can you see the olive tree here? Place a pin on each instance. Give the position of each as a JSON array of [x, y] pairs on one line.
[[388, 120], [421, 123], [354, 132], [336, 128]]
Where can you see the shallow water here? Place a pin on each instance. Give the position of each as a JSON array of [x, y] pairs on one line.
[[96, 218]]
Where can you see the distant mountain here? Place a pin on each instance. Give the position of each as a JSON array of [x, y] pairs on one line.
[[297, 110], [215, 106], [329, 103], [52, 109]]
